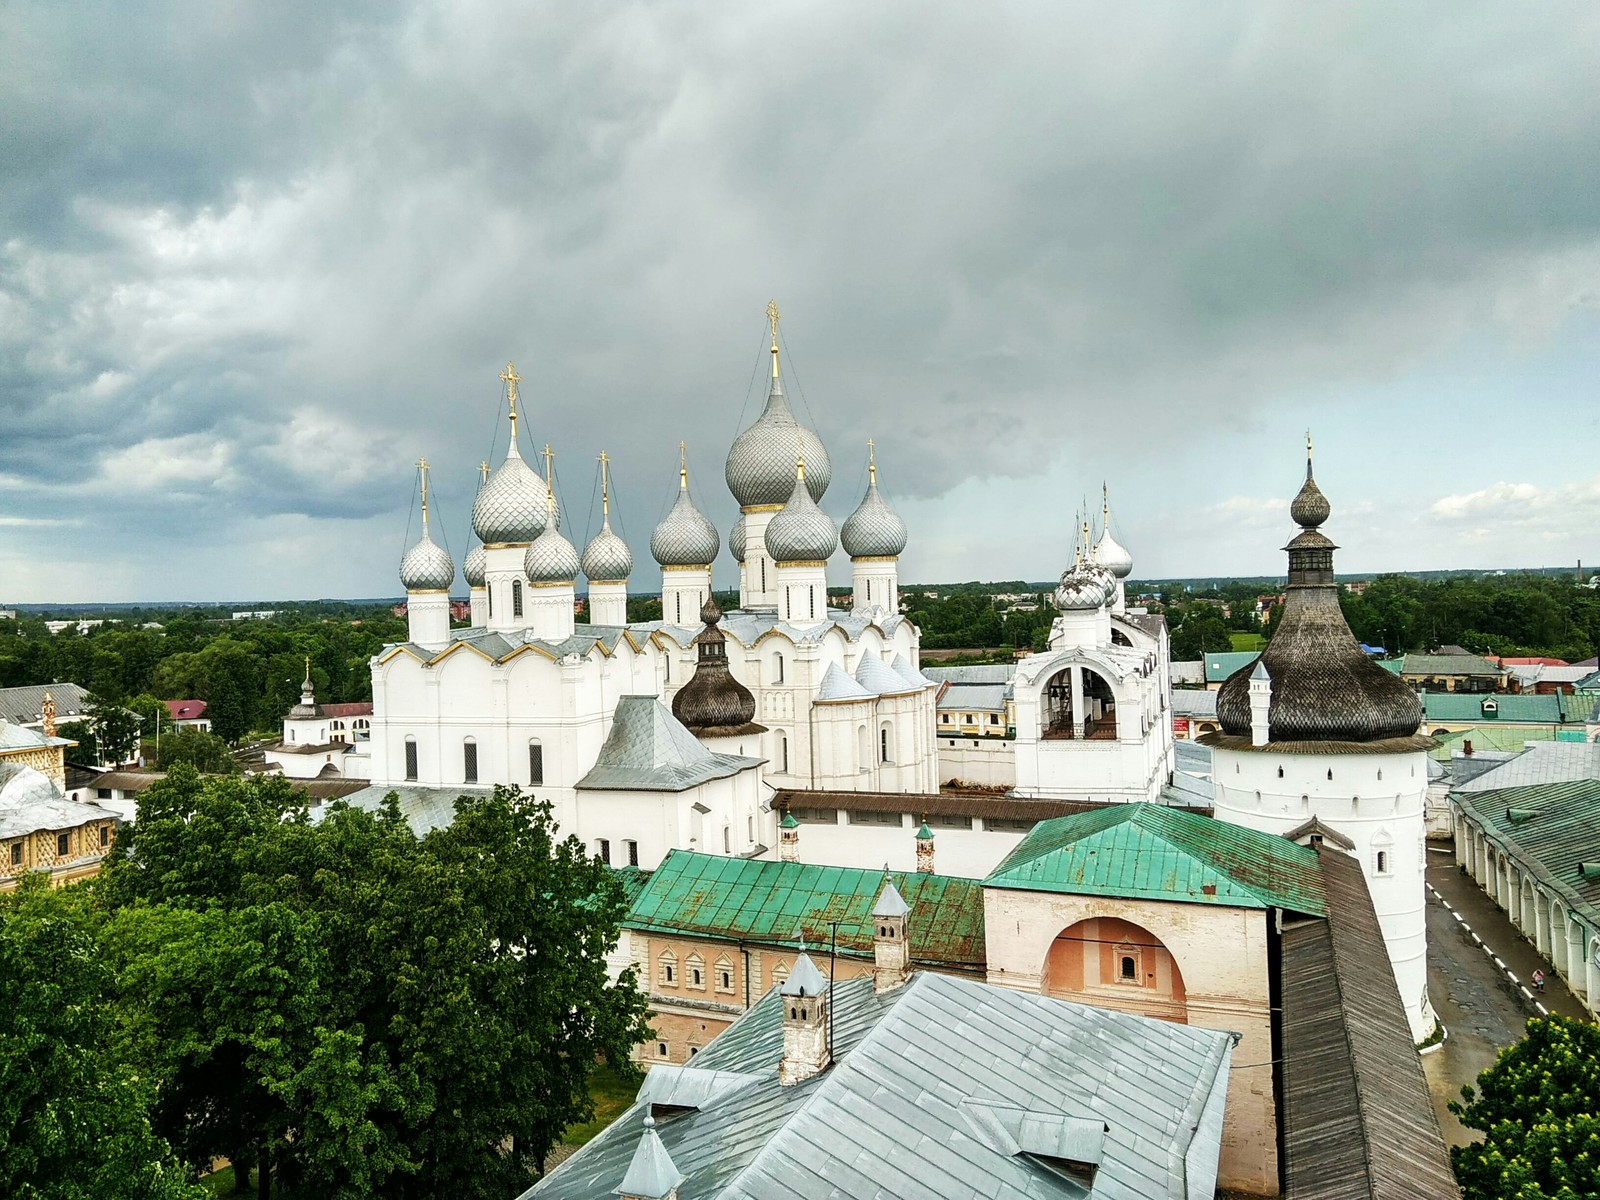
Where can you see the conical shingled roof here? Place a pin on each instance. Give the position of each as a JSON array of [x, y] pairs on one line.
[[1325, 688]]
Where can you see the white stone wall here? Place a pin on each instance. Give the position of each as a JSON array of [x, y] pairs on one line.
[[967, 853], [987, 762], [1375, 800]]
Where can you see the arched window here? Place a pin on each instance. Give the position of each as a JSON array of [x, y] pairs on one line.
[[724, 975], [667, 966], [695, 971], [1280, 772], [727, 840], [777, 668], [411, 758], [885, 746], [863, 751], [469, 761], [1128, 968], [516, 597], [535, 762], [783, 754], [666, 666]]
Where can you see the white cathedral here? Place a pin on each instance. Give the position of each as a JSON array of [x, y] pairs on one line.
[[803, 696]]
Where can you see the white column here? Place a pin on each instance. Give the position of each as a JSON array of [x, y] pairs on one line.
[[877, 584], [683, 591], [758, 578], [550, 615], [428, 618], [503, 574], [802, 593], [480, 607], [608, 603]]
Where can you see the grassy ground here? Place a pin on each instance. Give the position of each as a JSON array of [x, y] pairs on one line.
[[611, 1095], [1248, 641]]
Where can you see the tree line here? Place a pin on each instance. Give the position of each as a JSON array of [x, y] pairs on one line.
[[339, 1006]]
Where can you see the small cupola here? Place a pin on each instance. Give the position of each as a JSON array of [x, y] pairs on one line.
[[652, 1175], [891, 954], [789, 838], [924, 848], [1260, 705], [805, 1023]]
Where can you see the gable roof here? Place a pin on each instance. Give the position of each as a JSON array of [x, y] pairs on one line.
[[1162, 853], [903, 1113], [739, 899], [1551, 829], [1447, 664], [1540, 763], [1358, 1123], [650, 750], [1554, 709], [186, 710], [1224, 663], [25, 705]]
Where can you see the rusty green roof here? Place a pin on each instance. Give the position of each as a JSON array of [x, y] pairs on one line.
[[1155, 852], [1551, 829], [739, 899]]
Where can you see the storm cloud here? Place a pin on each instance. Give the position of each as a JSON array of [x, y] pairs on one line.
[[257, 259]]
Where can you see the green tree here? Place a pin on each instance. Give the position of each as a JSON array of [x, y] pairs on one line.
[[1539, 1107], [116, 729], [205, 752], [1203, 631], [73, 1113], [355, 1009]]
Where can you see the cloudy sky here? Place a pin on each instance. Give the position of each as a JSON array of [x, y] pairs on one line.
[[256, 259]]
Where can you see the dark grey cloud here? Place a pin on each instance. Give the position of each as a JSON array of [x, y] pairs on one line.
[[257, 259]]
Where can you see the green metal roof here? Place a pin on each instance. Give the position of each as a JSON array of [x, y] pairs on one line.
[[1486, 737], [1448, 664], [632, 880], [1225, 662], [1468, 706], [1155, 852], [739, 899], [1551, 829]]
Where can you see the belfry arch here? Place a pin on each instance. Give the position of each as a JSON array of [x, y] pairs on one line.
[[1114, 963], [1078, 703]]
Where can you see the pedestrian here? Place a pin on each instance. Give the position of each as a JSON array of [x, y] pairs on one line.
[[1538, 980]]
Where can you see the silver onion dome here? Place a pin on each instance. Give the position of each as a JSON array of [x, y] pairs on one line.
[[511, 506], [685, 538], [802, 532], [475, 566], [550, 558], [1110, 554], [736, 539], [1082, 588], [874, 530], [760, 467], [607, 559], [426, 567]]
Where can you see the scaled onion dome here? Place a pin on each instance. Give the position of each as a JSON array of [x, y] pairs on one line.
[[713, 703], [1083, 588], [607, 559], [510, 508], [426, 567], [802, 532], [475, 566], [736, 539], [551, 558], [685, 538], [1324, 686], [760, 467], [874, 530]]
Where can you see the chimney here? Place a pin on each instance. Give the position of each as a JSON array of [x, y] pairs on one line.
[[891, 954], [1260, 705], [49, 715], [805, 1023], [652, 1175], [924, 848], [1466, 747], [788, 838]]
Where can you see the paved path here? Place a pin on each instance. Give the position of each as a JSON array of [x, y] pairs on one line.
[[1480, 1005]]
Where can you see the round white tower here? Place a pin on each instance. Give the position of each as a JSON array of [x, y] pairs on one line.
[[1321, 744]]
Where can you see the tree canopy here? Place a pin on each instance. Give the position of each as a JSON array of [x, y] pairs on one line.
[[1539, 1107]]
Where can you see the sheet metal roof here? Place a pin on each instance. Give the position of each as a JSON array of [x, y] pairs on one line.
[[650, 750], [25, 705], [1541, 763], [971, 673], [1224, 663], [1468, 706], [424, 808], [975, 697], [1447, 664], [740, 899], [1150, 850], [922, 1079], [1485, 737], [1563, 830], [1358, 1123], [1194, 702], [942, 804]]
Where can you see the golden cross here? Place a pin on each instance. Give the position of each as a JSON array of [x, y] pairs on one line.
[[772, 318], [683, 465], [510, 378], [872, 461], [422, 465], [483, 471], [605, 485]]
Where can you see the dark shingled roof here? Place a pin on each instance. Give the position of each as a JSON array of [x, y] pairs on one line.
[[1357, 1120], [1325, 688], [713, 703]]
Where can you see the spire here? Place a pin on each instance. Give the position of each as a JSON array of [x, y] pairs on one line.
[[483, 472], [772, 319], [510, 378], [872, 463], [550, 486], [422, 468], [1308, 454], [307, 696], [605, 490], [683, 466]]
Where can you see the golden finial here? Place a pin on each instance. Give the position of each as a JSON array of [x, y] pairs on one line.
[[872, 462], [422, 466], [483, 471], [605, 487], [1308, 454], [549, 479], [1105, 503], [1086, 542], [683, 466], [510, 378], [772, 319], [799, 454], [308, 670]]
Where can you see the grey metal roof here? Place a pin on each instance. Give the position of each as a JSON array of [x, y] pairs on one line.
[[977, 673], [975, 697], [550, 558], [800, 531], [1541, 762], [685, 538], [879, 678], [477, 562], [649, 749], [903, 668], [836, 685], [424, 808], [25, 705], [1358, 1123], [29, 802], [1193, 757], [607, 559], [930, 1086], [890, 902], [1466, 767], [1194, 702]]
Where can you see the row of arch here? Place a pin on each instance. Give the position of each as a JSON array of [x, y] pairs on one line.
[[1542, 917]]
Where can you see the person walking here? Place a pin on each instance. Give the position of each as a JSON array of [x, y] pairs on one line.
[[1538, 980]]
